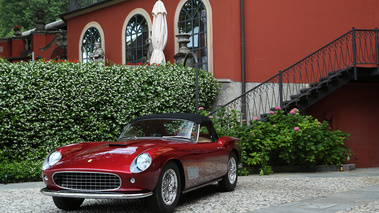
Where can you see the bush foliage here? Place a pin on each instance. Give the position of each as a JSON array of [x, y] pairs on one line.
[[47, 104], [283, 140]]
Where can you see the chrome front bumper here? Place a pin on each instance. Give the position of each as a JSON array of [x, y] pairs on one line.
[[93, 195]]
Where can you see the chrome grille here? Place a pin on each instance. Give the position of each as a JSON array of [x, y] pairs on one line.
[[93, 181]]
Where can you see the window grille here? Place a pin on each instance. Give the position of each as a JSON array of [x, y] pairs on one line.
[[136, 38], [91, 36], [193, 20]]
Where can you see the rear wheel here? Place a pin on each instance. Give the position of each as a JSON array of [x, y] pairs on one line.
[[66, 203], [167, 192], [229, 181]]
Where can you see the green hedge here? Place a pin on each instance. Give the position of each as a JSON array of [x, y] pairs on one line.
[[44, 105]]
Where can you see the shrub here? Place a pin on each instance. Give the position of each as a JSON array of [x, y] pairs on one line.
[[20, 171], [47, 104], [284, 139]]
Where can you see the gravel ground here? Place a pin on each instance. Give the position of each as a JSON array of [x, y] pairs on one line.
[[370, 207], [253, 192]]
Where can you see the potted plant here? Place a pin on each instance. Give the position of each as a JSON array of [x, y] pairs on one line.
[[17, 30]]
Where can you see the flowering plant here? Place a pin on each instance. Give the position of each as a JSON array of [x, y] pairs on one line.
[[139, 63], [16, 27], [294, 139], [284, 139], [59, 61]]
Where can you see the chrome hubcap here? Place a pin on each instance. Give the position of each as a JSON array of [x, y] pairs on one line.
[[232, 170], [169, 186]]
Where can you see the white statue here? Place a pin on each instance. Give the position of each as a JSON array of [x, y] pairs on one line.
[[98, 54]]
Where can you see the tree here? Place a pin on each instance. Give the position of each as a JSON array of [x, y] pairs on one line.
[[23, 12]]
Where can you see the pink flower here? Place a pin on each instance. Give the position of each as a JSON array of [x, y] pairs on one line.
[[318, 123], [210, 116], [278, 108], [255, 118], [272, 112], [274, 125], [296, 128], [292, 112], [201, 108]]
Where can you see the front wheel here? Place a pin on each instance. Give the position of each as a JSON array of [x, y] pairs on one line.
[[229, 181], [68, 203], [167, 192]]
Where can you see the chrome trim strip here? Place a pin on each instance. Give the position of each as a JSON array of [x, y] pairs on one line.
[[198, 187], [93, 195]]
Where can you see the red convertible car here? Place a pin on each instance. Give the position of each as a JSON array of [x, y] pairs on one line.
[[157, 157]]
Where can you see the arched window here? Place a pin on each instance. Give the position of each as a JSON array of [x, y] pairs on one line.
[[193, 20], [136, 39], [91, 36]]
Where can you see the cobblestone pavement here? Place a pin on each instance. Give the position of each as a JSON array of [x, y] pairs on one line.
[[253, 194]]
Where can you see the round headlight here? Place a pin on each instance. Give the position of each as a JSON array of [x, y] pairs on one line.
[[54, 157], [143, 161], [51, 159]]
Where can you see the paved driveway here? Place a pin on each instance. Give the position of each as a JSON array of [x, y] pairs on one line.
[[349, 191]]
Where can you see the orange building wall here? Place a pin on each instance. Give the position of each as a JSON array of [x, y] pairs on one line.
[[226, 40], [355, 111], [278, 33], [7, 49], [17, 46], [13, 47], [41, 40]]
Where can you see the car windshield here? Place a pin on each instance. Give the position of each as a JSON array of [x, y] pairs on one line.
[[163, 128]]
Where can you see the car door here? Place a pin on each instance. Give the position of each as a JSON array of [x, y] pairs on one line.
[[208, 161], [213, 160]]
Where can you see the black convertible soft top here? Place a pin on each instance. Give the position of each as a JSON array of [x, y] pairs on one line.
[[200, 119]]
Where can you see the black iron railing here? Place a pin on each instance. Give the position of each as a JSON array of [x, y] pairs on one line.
[[77, 4], [356, 47]]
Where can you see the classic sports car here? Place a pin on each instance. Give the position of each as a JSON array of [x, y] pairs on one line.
[[157, 157]]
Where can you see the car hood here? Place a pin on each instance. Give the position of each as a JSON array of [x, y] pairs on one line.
[[112, 156]]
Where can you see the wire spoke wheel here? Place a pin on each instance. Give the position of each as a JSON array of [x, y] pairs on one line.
[[169, 187], [229, 181], [167, 192], [232, 170]]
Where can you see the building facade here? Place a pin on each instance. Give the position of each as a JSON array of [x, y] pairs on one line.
[[45, 41]]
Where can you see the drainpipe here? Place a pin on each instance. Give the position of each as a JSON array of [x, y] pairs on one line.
[[243, 80]]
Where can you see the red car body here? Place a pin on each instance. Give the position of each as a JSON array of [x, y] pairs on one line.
[[199, 163]]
